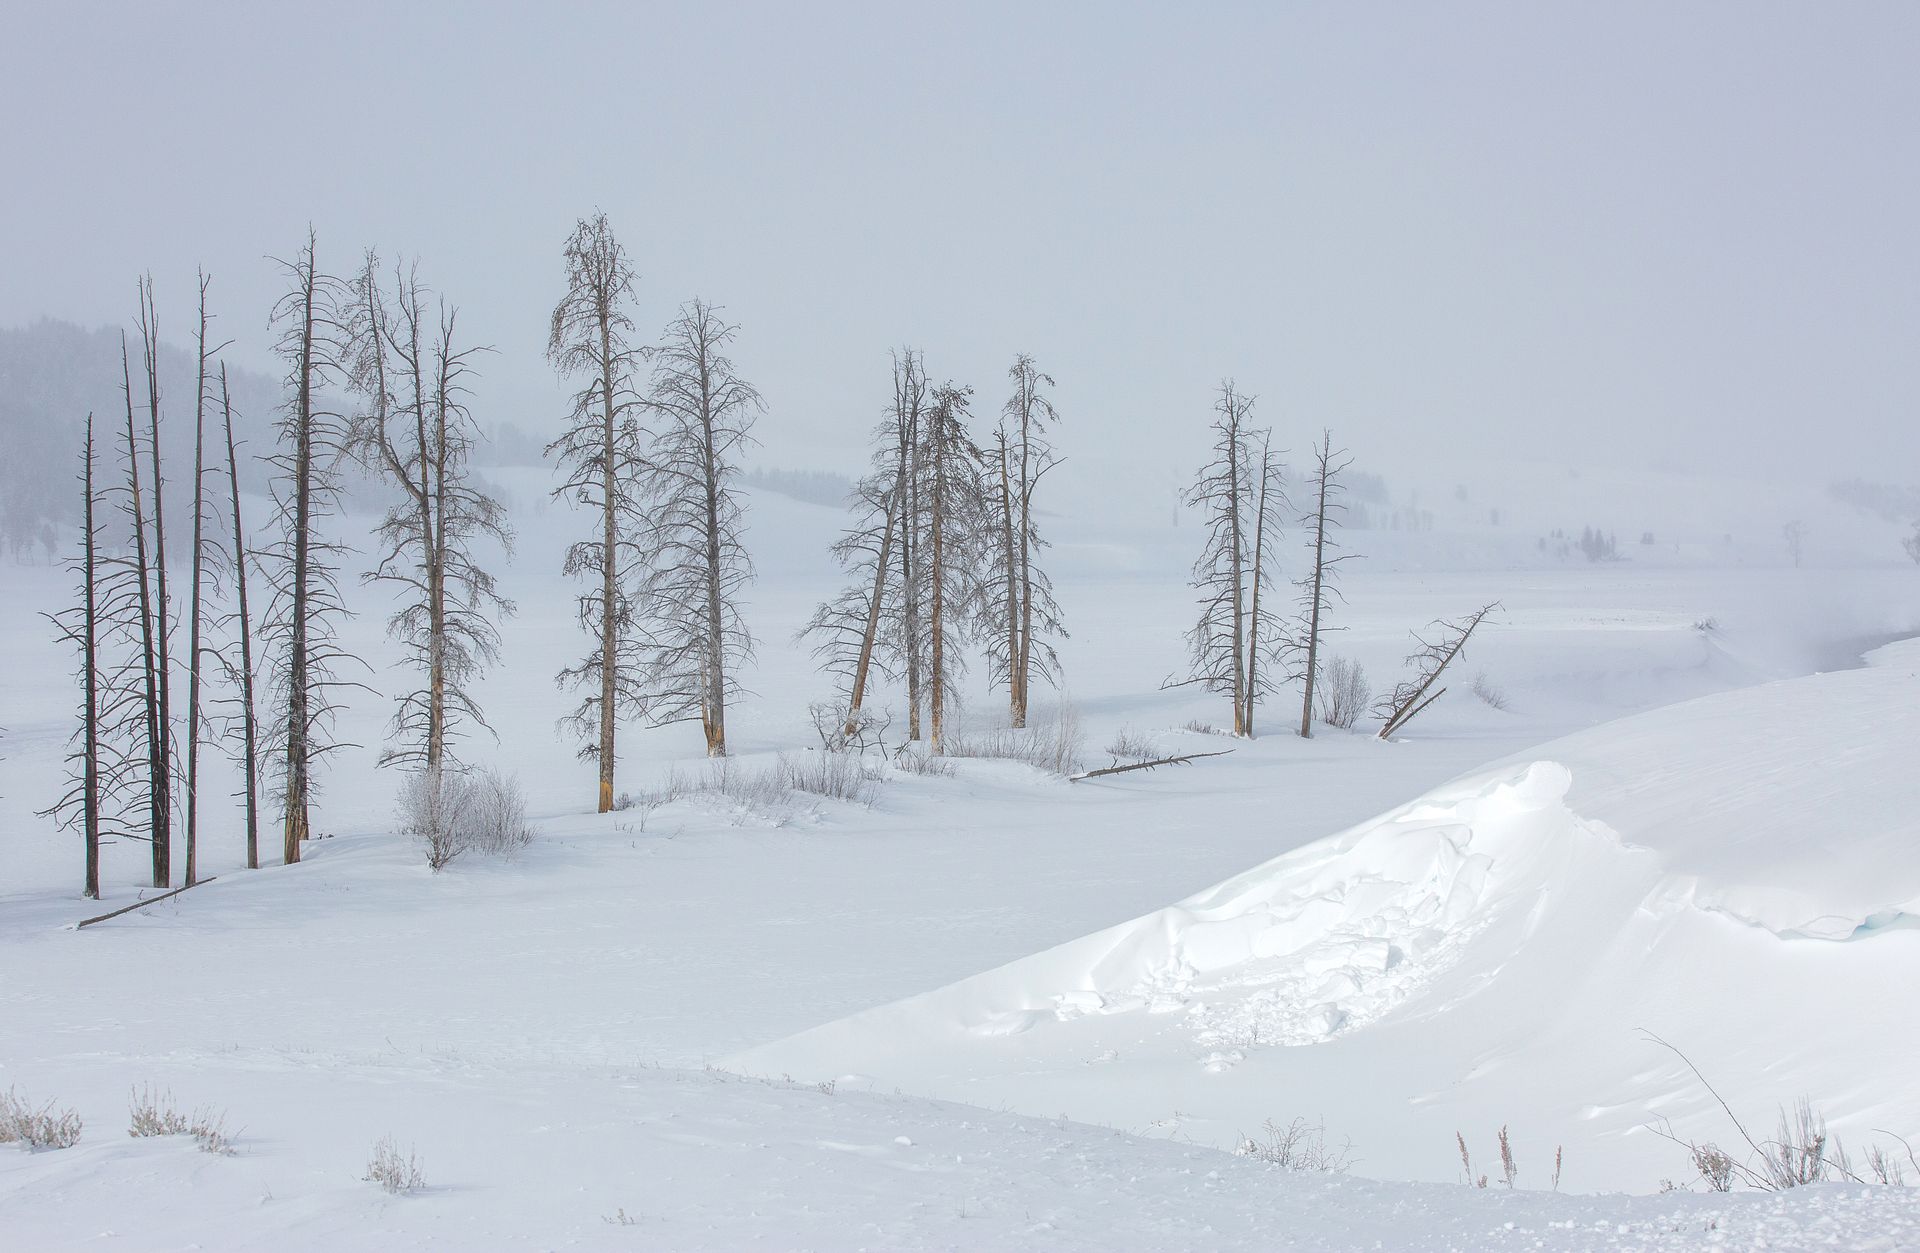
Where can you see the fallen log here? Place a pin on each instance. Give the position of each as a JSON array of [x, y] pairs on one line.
[[127, 909], [1181, 760]]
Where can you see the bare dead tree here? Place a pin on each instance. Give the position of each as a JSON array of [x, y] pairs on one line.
[[240, 670], [149, 611], [1437, 650], [80, 806], [206, 548], [696, 639], [601, 457], [1319, 586], [306, 607], [1240, 492], [1018, 597], [861, 630], [953, 510], [163, 603], [417, 432]]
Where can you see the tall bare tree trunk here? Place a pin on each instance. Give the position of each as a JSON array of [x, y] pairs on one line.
[[609, 584], [1010, 565], [1315, 593], [937, 673], [299, 692], [1242, 719], [194, 598], [90, 662], [1259, 566], [857, 691], [249, 729], [159, 803]]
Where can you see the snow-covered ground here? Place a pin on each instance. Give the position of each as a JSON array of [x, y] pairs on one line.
[[747, 1027]]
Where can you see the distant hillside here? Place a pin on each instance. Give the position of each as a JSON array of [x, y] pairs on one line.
[[51, 375]]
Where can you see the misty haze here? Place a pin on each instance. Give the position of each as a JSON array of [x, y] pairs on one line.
[[1019, 627]]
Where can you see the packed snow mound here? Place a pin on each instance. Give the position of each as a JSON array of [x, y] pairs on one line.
[[1503, 943], [1331, 936]]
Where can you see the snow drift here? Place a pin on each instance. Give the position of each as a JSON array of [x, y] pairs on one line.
[[1497, 949]]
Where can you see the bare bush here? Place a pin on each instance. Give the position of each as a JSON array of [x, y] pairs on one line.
[[453, 814], [839, 732], [152, 1113], [38, 1128], [392, 1171], [430, 810], [1484, 688], [839, 776], [1051, 744], [1129, 745], [1802, 1150], [1342, 692], [907, 761], [496, 814], [1300, 1145]]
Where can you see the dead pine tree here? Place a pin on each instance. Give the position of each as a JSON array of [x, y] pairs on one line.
[[240, 671], [951, 509], [80, 626], [149, 611], [204, 547], [696, 640], [861, 630], [1318, 586], [601, 457], [1019, 611], [301, 627], [417, 433], [1241, 495], [1429, 661]]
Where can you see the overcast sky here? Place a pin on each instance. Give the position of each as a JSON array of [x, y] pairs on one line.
[[1653, 234]]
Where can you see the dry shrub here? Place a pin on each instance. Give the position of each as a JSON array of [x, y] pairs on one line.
[[451, 814], [1051, 744], [1341, 693], [392, 1171], [839, 776], [36, 1128], [1300, 1145], [1131, 747]]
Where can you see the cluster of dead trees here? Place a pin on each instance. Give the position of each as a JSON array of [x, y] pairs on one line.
[[944, 551], [651, 451], [1242, 644], [263, 676]]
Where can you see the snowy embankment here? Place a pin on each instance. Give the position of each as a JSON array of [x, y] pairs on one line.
[[1738, 875]]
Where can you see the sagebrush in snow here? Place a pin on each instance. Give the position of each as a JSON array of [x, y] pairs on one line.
[[452, 814], [1051, 743], [1342, 694], [1300, 1145], [1129, 745], [393, 1172], [838, 776], [36, 1128], [152, 1113]]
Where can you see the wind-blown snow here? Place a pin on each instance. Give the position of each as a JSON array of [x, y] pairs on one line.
[[1492, 953]]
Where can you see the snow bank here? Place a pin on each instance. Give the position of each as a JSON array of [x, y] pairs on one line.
[[1499, 945]]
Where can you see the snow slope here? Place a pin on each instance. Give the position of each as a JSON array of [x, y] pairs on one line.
[[1739, 874]]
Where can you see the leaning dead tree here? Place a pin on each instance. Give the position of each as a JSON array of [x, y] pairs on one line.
[[696, 641], [239, 663], [301, 629], [601, 457], [1019, 614], [1241, 495], [1438, 649], [416, 432], [1318, 586], [857, 633], [951, 512]]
